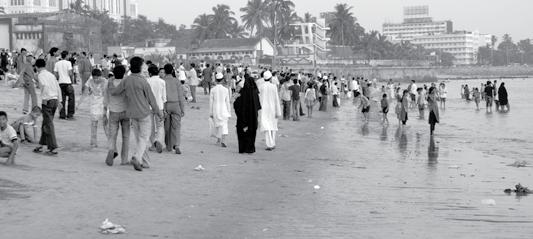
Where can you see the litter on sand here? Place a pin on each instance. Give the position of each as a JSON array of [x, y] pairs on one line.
[[519, 189], [108, 227], [518, 164], [199, 168], [316, 187], [489, 202]]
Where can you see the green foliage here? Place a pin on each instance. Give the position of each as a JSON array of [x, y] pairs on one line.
[[507, 52]]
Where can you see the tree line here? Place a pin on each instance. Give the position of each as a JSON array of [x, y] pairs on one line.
[[273, 18], [507, 52]]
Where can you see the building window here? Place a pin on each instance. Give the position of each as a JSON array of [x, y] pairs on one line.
[[17, 2], [52, 3]]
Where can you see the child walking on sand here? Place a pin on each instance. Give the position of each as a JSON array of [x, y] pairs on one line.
[[385, 108], [310, 99], [26, 128], [97, 87]]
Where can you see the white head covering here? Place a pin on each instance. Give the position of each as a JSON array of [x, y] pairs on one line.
[[267, 75], [219, 76]]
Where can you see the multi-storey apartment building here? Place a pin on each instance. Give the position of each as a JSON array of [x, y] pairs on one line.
[[117, 9], [417, 22]]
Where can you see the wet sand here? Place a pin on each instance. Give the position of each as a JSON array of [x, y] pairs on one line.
[[374, 182]]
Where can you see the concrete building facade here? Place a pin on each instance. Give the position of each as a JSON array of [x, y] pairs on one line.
[[117, 9], [417, 22], [463, 45]]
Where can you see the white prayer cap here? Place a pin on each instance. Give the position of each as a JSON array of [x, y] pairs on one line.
[[267, 75], [219, 76], [325, 77]]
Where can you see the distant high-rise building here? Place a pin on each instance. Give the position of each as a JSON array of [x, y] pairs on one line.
[[417, 22], [463, 45], [117, 9]]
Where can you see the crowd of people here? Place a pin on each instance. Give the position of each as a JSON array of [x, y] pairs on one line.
[[490, 93], [149, 99]]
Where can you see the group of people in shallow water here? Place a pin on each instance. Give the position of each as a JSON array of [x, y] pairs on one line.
[[150, 100], [490, 93]]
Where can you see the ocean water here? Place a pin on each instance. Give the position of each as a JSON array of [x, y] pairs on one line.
[[403, 182]]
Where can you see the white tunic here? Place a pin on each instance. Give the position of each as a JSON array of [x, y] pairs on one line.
[[219, 105], [270, 107]]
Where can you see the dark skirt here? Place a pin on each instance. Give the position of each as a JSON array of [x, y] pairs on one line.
[[246, 140], [433, 118]]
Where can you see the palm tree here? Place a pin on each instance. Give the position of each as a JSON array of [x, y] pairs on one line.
[[343, 25], [202, 27], [308, 17], [222, 21], [493, 40], [255, 16], [237, 31], [279, 9]]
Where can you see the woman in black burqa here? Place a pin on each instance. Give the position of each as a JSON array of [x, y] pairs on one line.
[[503, 98], [246, 107]]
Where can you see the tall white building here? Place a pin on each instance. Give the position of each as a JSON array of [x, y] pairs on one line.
[[117, 9], [417, 22], [310, 38], [463, 45]]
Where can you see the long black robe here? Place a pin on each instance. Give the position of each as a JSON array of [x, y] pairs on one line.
[[502, 95], [246, 107]]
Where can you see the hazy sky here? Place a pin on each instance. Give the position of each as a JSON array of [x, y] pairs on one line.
[[488, 16]]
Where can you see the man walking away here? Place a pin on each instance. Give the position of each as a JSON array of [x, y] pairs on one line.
[[116, 104], [139, 98], [174, 110], [270, 111], [63, 71], [159, 89], [85, 67]]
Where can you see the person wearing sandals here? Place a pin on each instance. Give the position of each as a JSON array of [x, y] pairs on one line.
[[51, 97]]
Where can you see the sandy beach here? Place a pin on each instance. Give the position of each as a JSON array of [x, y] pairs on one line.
[[375, 182]]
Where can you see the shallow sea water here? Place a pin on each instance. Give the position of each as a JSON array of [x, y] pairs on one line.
[[407, 184]]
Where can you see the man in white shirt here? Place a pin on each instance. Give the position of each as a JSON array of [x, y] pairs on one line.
[[159, 89], [63, 71], [193, 81], [51, 95]]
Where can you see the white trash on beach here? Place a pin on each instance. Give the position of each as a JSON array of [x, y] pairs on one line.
[[108, 227], [199, 168], [489, 202], [316, 187]]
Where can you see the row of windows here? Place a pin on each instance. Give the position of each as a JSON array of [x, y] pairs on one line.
[[32, 35], [51, 3], [223, 53]]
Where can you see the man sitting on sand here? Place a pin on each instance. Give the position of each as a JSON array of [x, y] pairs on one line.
[[8, 140]]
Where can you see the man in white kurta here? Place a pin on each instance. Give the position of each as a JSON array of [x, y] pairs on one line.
[[270, 110], [219, 108]]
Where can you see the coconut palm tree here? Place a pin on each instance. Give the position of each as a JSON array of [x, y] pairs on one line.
[[222, 21], [255, 16], [343, 25], [202, 27], [238, 31], [308, 17], [281, 12]]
